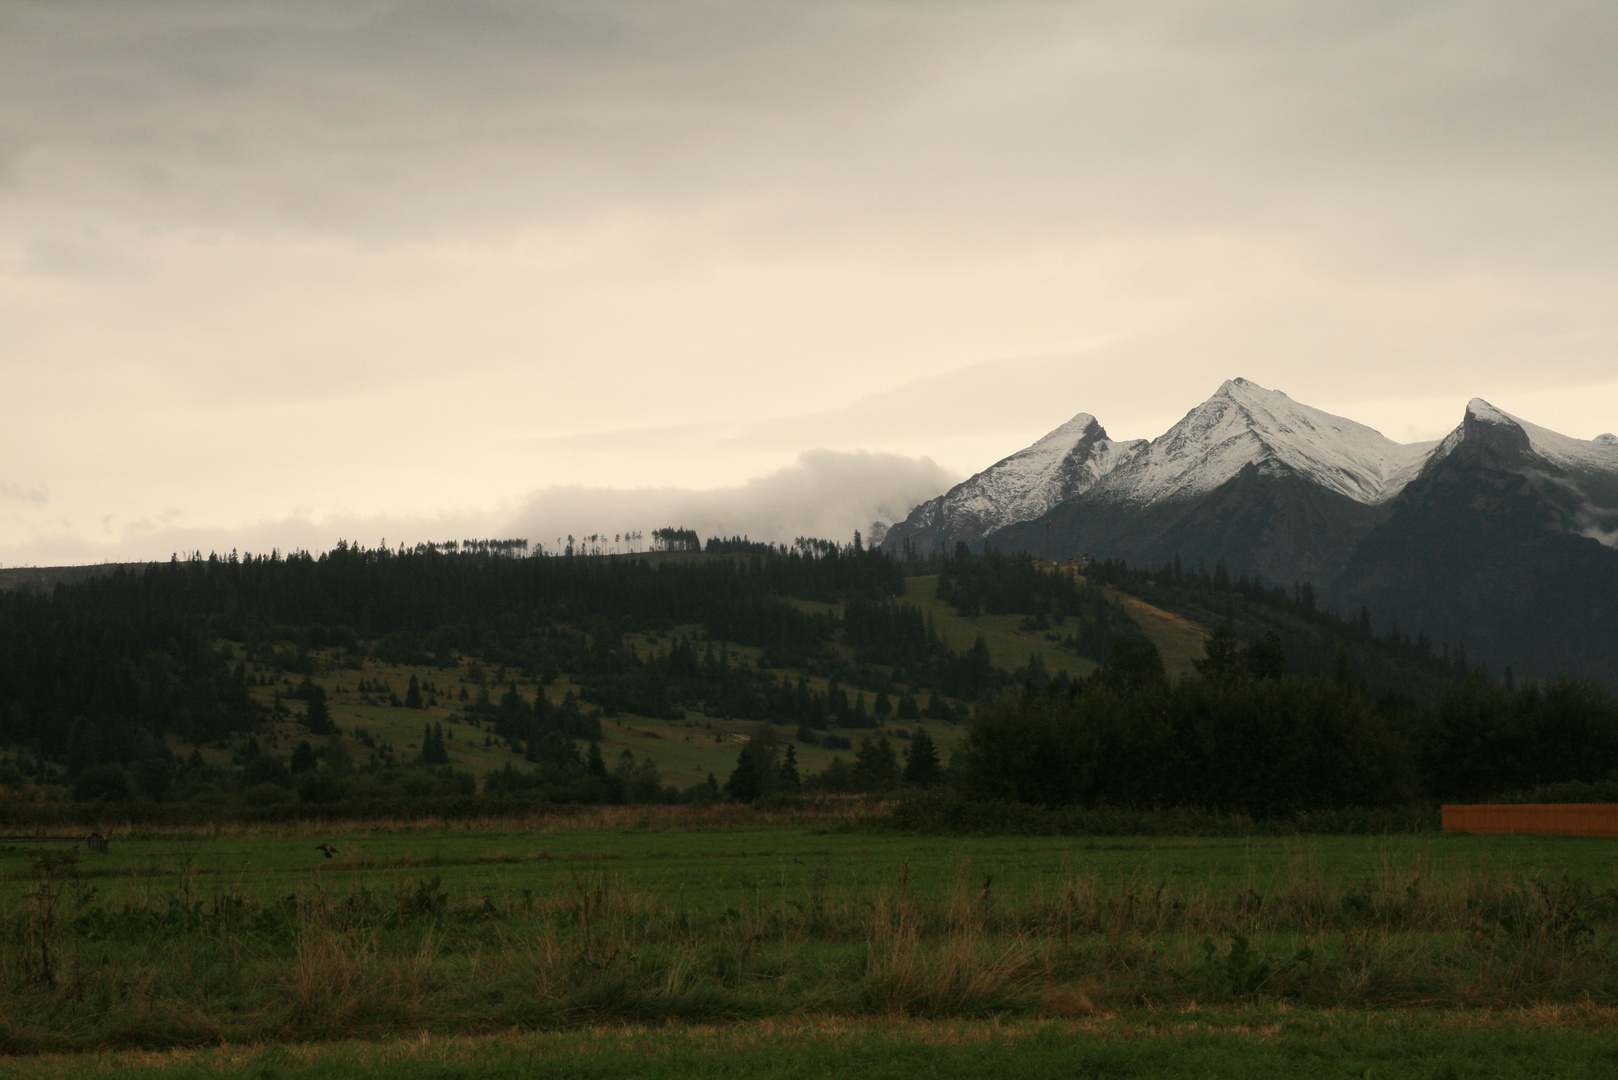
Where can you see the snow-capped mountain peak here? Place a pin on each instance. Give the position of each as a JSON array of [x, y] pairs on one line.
[[1564, 451], [1062, 465], [1245, 424], [1242, 426], [1065, 463]]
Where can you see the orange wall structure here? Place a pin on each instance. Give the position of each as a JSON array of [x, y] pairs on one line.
[[1553, 819]]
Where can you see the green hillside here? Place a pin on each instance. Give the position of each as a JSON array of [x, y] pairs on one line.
[[685, 751]]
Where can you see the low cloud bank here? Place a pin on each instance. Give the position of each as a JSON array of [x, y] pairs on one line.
[[826, 493]]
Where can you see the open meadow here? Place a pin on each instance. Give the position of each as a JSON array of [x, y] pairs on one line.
[[466, 948]]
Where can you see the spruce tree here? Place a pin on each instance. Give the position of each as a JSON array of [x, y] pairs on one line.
[[876, 766], [744, 784], [1221, 654], [303, 758], [433, 750], [413, 694], [316, 716], [790, 780], [921, 766]]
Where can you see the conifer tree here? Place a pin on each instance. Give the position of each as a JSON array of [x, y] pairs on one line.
[[921, 766], [876, 766], [433, 750], [303, 758], [413, 694], [316, 716], [1221, 653], [790, 781], [744, 784]]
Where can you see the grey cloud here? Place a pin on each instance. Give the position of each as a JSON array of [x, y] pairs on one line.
[[402, 116], [1592, 529], [85, 252], [826, 494], [1588, 518], [17, 494], [398, 118], [470, 223]]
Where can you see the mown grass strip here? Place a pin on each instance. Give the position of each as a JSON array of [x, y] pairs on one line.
[[1571, 1044]]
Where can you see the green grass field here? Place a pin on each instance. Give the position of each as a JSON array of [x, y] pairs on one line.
[[454, 950], [717, 859]]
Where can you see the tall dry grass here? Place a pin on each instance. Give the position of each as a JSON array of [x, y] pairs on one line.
[[188, 965]]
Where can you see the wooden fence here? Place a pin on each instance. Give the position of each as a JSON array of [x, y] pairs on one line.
[[1550, 819]]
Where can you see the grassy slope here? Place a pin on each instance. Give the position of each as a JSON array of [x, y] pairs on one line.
[[685, 752], [1009, 645], [1177, 638]]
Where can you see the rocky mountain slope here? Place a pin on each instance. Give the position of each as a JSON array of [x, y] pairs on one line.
[[1028, 484]]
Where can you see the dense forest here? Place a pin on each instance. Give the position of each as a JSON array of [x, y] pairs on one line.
[[1244, 735], [112, 684]]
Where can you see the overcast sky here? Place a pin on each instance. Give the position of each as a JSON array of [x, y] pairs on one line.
[[275, 273]]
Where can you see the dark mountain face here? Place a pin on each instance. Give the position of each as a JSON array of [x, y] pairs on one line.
[[1283, 528], [1488, 548]]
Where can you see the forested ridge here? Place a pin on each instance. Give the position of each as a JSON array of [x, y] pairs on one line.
[[1291, 708], [119, 668]]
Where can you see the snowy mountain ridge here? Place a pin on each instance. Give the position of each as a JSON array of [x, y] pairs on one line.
[[1600, 453], [1241, 426], [1244, 424], [1062, 465], [1065, 463]]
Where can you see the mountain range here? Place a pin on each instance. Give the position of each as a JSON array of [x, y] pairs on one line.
[[1501, 537]]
